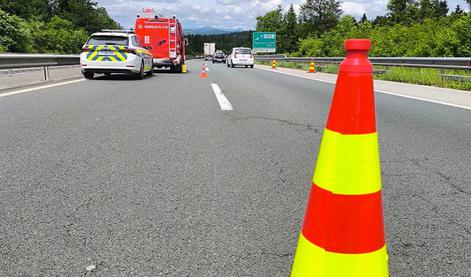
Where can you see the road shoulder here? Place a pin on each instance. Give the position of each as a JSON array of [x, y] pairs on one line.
[[444, 96]]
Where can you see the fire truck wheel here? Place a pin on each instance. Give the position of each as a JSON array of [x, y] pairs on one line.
[[176, 68], [140, 75]]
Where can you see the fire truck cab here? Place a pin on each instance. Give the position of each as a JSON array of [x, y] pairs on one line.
[[163, 37]]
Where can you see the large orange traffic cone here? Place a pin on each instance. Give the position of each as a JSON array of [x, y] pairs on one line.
[[343, 230], [203, 72], [312, 68], [273, 64]]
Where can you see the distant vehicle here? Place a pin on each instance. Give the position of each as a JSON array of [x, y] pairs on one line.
[[219, 57], [115, 51], [163, 37], [209, 50], [240, 56]]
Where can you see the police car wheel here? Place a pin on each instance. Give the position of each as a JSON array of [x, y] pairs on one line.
[[150, 72], [140, 75], [88, 75]]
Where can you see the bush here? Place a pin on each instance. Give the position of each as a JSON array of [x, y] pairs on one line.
[[56, 36], [440, 37], [14, 37]]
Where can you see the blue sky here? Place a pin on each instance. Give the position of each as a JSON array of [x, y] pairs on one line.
[[230, 14]]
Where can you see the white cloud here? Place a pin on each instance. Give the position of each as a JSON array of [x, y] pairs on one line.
[[353, 8]]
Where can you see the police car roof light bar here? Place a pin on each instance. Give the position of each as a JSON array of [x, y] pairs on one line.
[[131, 31]]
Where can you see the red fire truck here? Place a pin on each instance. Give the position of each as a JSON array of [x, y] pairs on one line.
[[163, 37]]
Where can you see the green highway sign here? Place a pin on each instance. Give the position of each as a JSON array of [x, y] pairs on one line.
[[264, 42]]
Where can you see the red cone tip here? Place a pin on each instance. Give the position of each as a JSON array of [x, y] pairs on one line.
[[357, 44]]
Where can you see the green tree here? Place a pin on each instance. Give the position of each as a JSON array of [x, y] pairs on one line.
[[403, 11], [440, 8], [462, 26], [425, 10], [57, 36], [14, 37], [27, 9], [84, 14], [319, 16], [290, 33], [458, 11], [397, 10], [364, 18], [271, 21], [381, 21]]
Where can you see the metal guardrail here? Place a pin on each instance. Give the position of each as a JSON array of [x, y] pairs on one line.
[[11, 61], [270, 57], [419, 62]]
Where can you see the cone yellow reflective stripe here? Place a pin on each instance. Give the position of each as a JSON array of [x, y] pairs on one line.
[[348, 164], [313, 261]]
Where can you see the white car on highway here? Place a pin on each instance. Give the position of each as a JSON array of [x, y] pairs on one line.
[[240, 56], [115, 52]]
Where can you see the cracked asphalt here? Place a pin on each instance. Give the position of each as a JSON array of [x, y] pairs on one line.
[[116, 177]]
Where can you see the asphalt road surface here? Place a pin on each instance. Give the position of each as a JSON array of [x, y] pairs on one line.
[[153, 178]]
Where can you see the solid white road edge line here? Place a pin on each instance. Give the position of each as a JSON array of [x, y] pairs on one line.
[[223, 102], [380, 91], [38, 88]]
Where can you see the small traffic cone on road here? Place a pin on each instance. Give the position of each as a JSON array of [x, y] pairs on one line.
[[343, 229], [203, 72], [273, 64], [312, 68]]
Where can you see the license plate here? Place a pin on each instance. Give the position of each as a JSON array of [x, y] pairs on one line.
[[243, 60], [105, 53]]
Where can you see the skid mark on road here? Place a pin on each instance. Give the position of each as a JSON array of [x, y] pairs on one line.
[[38, 88], [307, 127], [223, 102]]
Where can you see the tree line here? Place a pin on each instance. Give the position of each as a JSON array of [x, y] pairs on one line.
[[49, 26], [409, 28], [224, 42]]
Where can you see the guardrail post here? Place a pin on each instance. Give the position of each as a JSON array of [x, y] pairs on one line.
[[46, 73]]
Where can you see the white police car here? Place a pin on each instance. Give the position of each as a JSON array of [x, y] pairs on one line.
[[115, 51]]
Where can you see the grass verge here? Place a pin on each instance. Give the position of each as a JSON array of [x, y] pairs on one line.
[[419, 76]]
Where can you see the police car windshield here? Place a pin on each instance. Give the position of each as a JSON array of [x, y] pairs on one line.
[[108, 40]]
